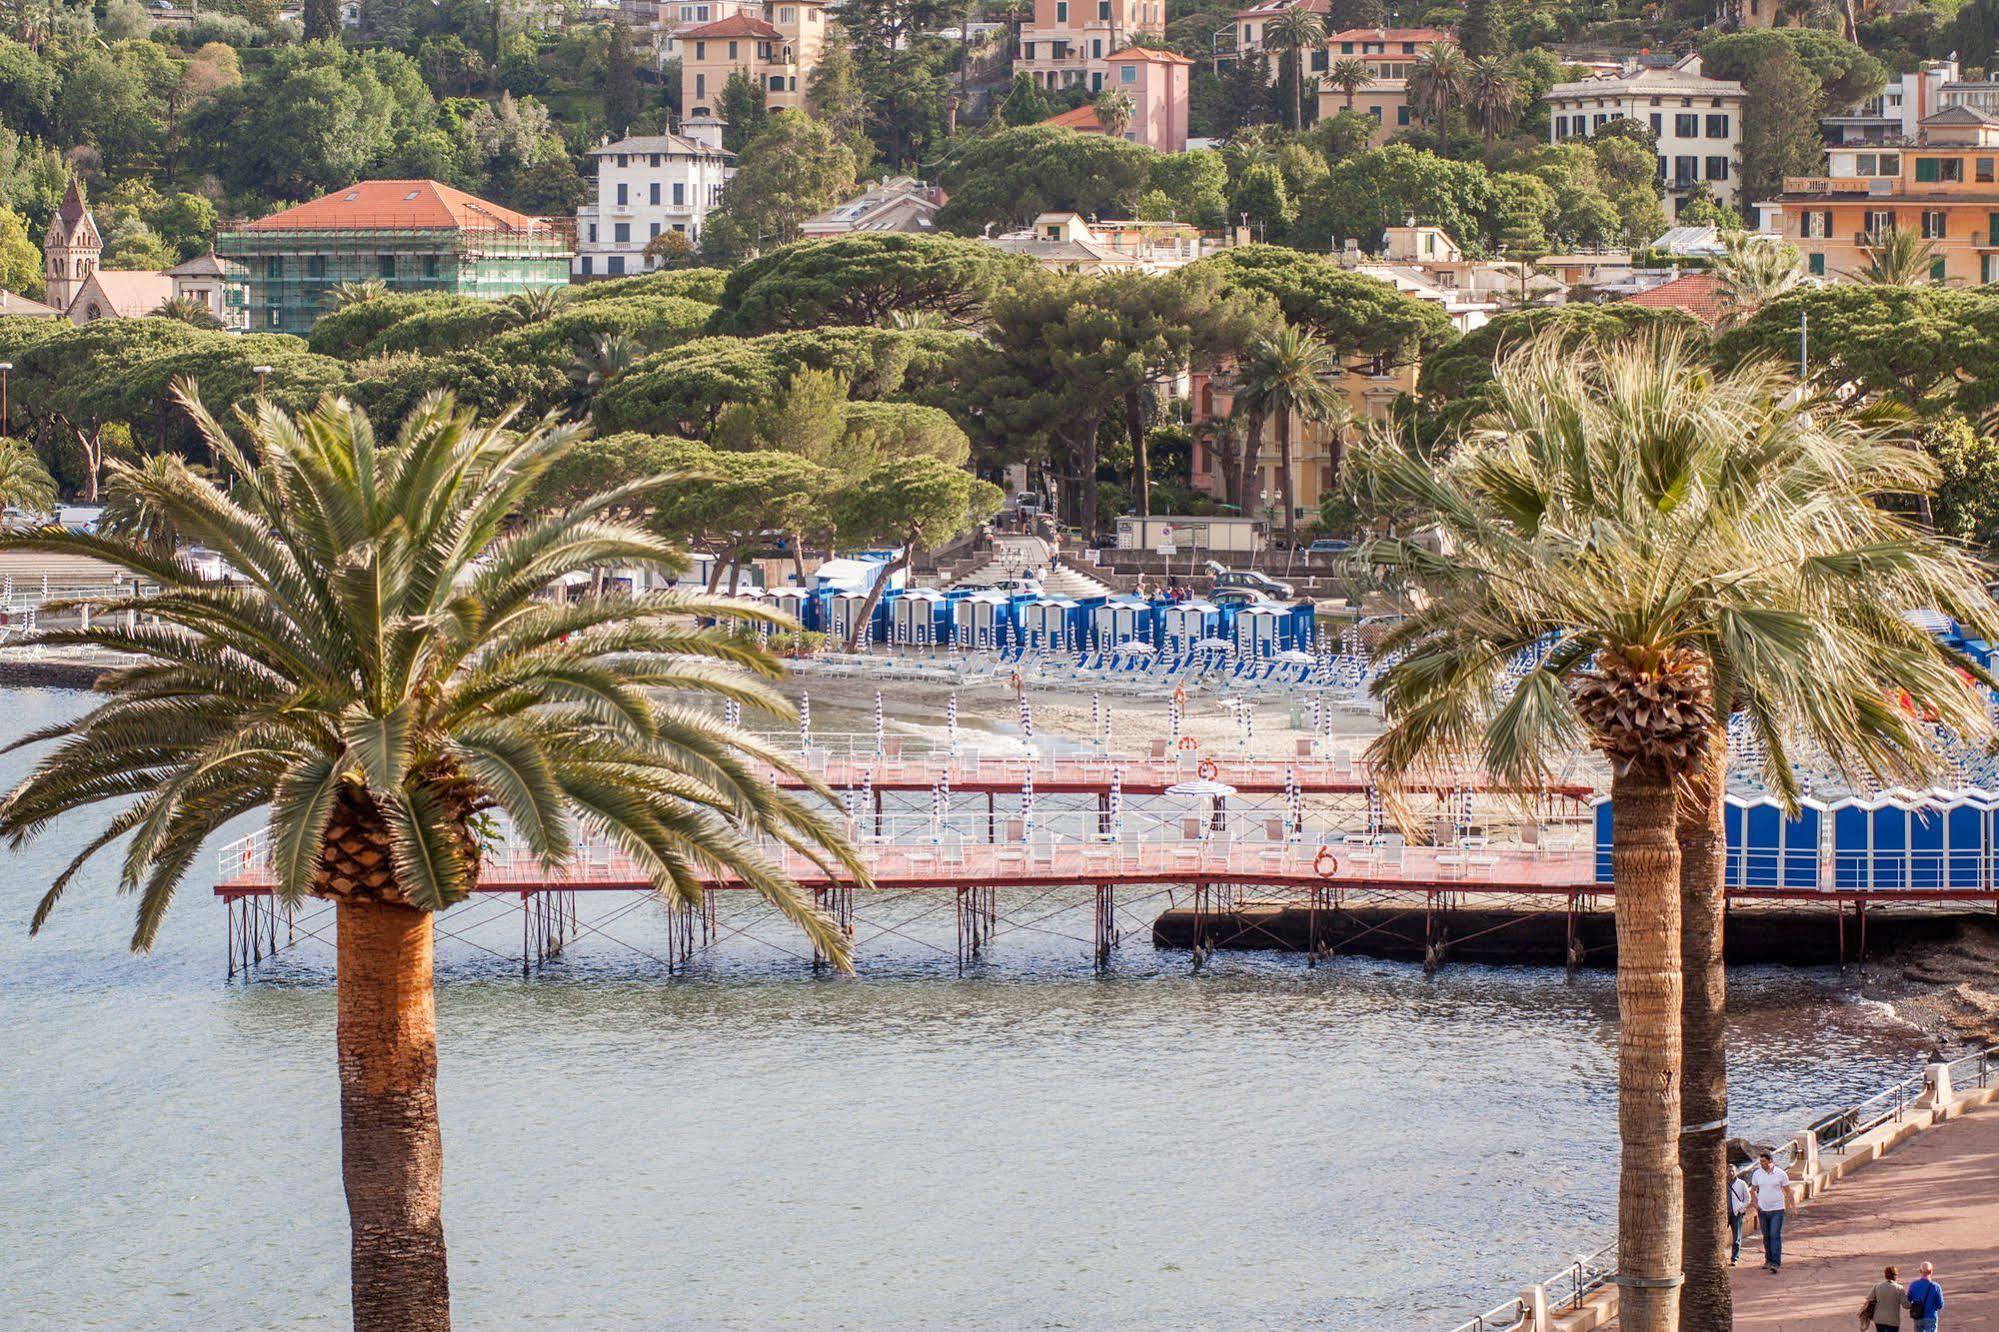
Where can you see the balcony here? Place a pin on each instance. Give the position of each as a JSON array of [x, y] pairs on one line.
[[1836, 185]]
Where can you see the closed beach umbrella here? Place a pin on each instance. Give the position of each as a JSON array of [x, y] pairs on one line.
[[1027, 795], [1294, 801], [951, 720], [881, 741], [1117, 798], [1173, 724], [805, 721], [1026, 717]]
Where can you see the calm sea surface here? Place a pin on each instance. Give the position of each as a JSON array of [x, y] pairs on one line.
[[1261, 1145]]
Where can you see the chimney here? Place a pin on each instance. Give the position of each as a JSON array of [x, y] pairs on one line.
[[704, 130]]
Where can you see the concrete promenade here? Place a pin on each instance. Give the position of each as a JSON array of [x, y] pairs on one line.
[[1924, 1185], [1936, 1197]]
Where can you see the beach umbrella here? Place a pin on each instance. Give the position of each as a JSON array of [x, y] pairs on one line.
[[847, 803], [1116, 801], [1096, 714], [1104, 734], [1375, 814], [1294, 801], [868, 796], [732, 713], [805, 720], [1246, 722], [881, 739], [951, 721], [1027, 795], [938, 797], [1172, 724], [1026, 716]]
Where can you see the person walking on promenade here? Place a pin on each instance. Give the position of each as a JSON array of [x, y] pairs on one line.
[[1738, 1203], [1884, 1306], [1772, 1186], [1926, 1299]]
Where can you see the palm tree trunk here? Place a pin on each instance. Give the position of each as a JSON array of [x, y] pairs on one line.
[[1645, 863], [1252, 453], [391, 1153], [1284, 487], [1134, 424], [1706, 1303]]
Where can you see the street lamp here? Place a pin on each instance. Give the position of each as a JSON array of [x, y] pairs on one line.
[[261, 371], [6, 418]]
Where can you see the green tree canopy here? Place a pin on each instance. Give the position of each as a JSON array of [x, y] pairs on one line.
[[1356, 315], [864, 278], [793, 168], [1010, 178]]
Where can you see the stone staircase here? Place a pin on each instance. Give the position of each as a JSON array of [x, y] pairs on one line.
[[1027, 556]]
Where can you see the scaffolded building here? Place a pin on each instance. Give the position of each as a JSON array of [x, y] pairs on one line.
[[410, 235]]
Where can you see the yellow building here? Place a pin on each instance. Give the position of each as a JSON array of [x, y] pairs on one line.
[[778, 51], [1945, 188], [1067, 42]]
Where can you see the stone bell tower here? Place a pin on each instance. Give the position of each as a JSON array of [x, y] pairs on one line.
[[71, 249]]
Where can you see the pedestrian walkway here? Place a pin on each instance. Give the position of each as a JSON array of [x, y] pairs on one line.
[[1935, 1197]]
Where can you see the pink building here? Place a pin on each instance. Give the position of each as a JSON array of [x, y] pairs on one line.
[[1157, 84]]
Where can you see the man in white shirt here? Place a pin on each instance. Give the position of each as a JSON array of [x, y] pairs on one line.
[[1738, 1203], [1771, 1183]]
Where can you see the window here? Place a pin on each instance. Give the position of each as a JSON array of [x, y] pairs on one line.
[[277, 316], [1127, 73], [1686, 126], [1815, 225], [700, 50], [274, 267], [615, 265], [679, 193], [621, 233], [593, 231], [1717, 127], [700, 85], [1402, 114], [586, 265], [1061, 11], [655, 161], [732, 50], [1561, 127], [654, 231], [1983, 172], [1657, 121], [652, 194], [430, 265], [623, 190], [1937, 271], [777, 83], [1686, 170], [1319, 58], [385, 264], [1880, 223], [1815, 265], [1992, 229], [1103, 9], [1933, 225], [1938, 170], [1097, 48], [787, 15], [1717, 168]]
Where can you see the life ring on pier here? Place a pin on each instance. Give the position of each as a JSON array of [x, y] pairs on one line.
[[1325, 864], [1207, 770], [1189, 742]]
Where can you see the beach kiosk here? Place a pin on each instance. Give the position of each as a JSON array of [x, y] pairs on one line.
[[1913, 841], [1122, 620], [920, 617], [1767, 850], [1185, 623], [980, 618], [798, 603], [1259, 629], [1052, 624]]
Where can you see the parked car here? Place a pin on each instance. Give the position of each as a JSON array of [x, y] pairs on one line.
[[1274, 588]]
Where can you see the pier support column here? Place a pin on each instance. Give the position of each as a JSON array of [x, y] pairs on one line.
[[1938, 1096]]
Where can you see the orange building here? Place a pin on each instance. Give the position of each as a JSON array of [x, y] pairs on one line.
[[1068, 41], [779, 51], [1945, 187]]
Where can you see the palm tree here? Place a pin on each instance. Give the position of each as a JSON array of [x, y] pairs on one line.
[[130, 517], [343, 294], [1349, 75], [1755, 270], [594, 368], [1694, 544], [1437, 82], [387, 668], [1295, 30], [1492, 96], [24, 482], [536, 305], [1898, 258], [1290, 374], [1114, 111], [188, 310]]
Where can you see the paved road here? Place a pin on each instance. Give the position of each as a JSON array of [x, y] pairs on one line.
[[1936, 1197]]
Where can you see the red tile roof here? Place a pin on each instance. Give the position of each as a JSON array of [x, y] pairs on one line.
[[1149, 55], [736, 25], [397, 205], [1083, 120], [1696, 294]]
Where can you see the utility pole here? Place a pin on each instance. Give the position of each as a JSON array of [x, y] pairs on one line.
[[1804, 343]]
